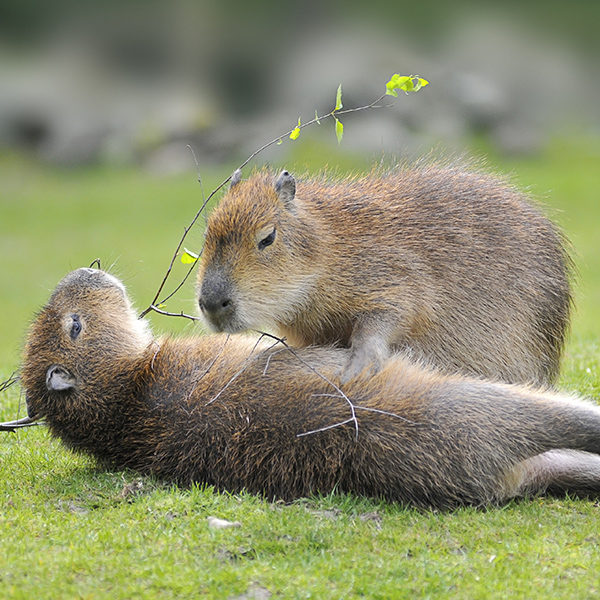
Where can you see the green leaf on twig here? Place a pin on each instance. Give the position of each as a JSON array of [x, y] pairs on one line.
[[338, 98], [296, 132], [406, 83], [188, 257], [339, 130]]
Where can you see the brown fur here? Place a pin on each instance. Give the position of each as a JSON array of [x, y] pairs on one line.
[[457, 267], [220, 411]]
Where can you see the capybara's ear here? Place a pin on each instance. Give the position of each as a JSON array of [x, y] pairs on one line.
[[285, 186], [59, 379], [235, 178]]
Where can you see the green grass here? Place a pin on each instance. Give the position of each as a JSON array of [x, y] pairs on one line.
[[70, 530], [54, 221], [567, 178]]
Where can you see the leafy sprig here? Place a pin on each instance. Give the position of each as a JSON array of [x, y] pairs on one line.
[[406, 83]]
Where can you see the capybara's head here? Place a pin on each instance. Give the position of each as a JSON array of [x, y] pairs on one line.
[[256, 263], [87, 324]]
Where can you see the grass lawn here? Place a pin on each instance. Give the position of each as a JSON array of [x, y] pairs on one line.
[[70, 530]]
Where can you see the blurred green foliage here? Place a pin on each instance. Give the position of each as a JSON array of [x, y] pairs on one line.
[[575, 22]]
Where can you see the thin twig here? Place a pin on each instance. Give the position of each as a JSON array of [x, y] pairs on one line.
[[185, 278], [333, 385], [199, 175], [19, 423], [389, 414], [332, 114], [12, 426], [210, 366], [339, 394], [268, 363], [317, 119], [244, 367], [340, 424], [193, 265], [158, 347], [169, 314], [9, 382], [375, 410], [176, 253]]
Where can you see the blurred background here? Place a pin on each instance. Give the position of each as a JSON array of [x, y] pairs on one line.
[[100, 81], [99, 100]]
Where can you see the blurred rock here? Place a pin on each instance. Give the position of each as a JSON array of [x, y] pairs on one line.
[[519, 138], [124, 92]]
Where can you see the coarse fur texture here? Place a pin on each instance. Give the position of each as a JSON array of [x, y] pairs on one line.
[[228, 412], [457, 267]]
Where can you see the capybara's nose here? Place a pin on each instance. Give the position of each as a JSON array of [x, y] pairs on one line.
[[215, 300], [215, 305]]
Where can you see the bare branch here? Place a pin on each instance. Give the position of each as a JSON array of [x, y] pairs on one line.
[[168, 314], [244, 366], [389, 414], [19, 424], [340, 424], [155, 302], [9, 382], [176, 253], [186, 277], [341, 394], [375, 410]]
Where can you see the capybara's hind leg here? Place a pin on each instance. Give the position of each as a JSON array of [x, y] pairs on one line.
[[556, 472]]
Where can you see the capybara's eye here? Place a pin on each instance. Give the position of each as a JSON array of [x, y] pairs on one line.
[[267, 241], [75, 327]]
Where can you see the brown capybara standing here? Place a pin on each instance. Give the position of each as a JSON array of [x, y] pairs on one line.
[[457, 267], [219, 410]]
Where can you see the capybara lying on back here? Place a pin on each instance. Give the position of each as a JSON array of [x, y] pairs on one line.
[[222, 411]]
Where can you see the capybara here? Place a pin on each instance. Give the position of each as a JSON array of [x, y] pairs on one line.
[[225, 411], [455, 266]]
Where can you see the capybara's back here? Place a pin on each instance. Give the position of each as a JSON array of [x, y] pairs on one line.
[[454, 266]]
